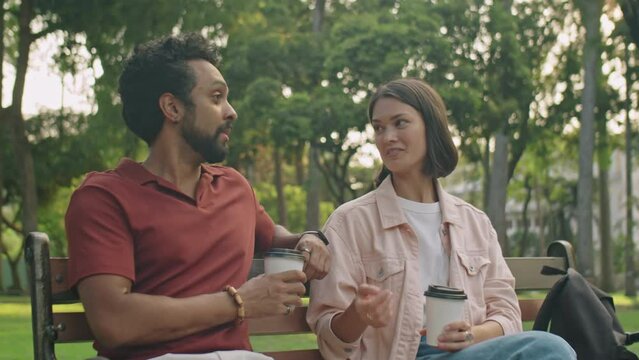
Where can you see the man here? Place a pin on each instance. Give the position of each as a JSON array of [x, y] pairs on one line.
[[160, 250]]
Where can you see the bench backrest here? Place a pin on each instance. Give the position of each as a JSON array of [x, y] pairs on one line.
[[49, 286]]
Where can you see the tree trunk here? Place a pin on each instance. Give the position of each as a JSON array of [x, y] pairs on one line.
[[12, 116], [299, 164], [3, 138], [630, 10], [607, 270], [590, 14], [498, 190], [485, 164], [250, 171], [20, 142], [16, 284], [524, 217], [313, 180], [279, 187], [541, 221], [312, 189], [630, 274], [318, 15], [2, 249]]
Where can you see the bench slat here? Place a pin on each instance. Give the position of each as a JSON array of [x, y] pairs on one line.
[[312, 354], [526, 271], [59, 278], [530, 308], [280, 324], [75, 327]]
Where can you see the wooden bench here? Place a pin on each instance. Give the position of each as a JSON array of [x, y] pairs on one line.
[[49, 286]]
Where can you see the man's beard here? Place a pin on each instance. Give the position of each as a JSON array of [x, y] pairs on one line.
[[208, 146]]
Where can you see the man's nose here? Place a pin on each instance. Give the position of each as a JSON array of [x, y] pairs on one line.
[[230, 113]]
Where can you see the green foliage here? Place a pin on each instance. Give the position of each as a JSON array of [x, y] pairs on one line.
[[296, 204], [292, 87]]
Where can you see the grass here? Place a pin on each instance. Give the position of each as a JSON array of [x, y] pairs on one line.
[[15, 332]]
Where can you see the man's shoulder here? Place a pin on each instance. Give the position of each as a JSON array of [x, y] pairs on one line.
[[222, 170], [226, 172], [107, 178]]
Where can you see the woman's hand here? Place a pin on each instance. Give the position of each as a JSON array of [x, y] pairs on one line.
[[373, 305], [455, 336]]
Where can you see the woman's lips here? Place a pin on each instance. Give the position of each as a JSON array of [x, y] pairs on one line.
[[393, 152]]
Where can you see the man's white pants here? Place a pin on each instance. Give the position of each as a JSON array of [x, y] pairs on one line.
[[218, 355]]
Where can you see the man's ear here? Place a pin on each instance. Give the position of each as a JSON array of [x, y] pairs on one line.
[[171, 107]]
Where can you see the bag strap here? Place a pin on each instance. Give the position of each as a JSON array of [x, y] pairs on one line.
[[549, 270], [631, 338], [543, 316]]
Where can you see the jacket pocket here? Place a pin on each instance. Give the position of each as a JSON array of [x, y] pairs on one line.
[[385, 273], [473, 263]]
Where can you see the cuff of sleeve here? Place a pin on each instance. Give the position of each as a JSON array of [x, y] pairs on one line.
[[338, 348], [508, 325]]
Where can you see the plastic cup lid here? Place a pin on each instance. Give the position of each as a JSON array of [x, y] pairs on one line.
[[281, 252], [444, 292]]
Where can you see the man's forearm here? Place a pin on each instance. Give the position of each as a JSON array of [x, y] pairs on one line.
[[135, 319], [284, 238]]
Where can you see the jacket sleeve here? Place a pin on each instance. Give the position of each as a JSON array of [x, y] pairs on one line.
[[502, 305], [331, 295]]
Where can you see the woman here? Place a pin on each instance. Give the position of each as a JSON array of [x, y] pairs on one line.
[[390, 244]]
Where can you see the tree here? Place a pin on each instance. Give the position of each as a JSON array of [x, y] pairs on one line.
[[631, 15], [12, 118], [312, 181], [590, 13]]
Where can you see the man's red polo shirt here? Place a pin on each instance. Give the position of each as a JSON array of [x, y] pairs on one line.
[[131, 223]]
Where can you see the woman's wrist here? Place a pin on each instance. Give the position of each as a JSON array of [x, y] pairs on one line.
[[348, 326]]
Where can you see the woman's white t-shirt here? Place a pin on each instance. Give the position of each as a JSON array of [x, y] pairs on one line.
[[426, 219]]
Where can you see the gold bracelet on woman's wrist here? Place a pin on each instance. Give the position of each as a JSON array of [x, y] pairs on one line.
[[238, 301]]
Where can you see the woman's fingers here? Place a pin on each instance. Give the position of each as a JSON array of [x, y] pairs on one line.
[[373, 305], [367, 290], [456, 336]]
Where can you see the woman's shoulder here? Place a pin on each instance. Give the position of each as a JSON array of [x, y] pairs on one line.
[[363, 206], [464, 209]]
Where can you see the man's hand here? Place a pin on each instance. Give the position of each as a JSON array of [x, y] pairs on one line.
[[317, 259], [274, 294]]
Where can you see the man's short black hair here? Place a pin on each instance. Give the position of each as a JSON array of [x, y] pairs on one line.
[[157, 67]]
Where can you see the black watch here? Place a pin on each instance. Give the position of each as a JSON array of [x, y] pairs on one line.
[[317, 233]]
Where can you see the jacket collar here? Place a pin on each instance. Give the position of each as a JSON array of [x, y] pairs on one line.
[[392, 214]]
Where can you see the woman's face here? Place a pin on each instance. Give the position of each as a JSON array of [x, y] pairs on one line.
[[400, 135]]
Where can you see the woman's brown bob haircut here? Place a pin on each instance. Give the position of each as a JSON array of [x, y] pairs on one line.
[[441, 153]]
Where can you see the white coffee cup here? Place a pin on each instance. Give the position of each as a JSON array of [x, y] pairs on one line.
[[443, 306], [279, 260]]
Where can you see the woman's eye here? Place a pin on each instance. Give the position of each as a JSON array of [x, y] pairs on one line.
[[377, 128], [401, 123]]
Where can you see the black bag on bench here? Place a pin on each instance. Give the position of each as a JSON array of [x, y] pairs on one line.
[[585, 317]]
